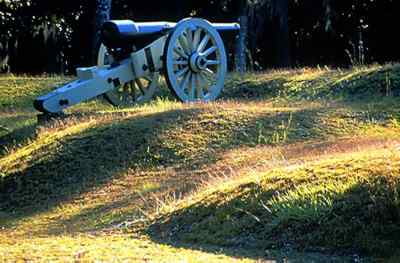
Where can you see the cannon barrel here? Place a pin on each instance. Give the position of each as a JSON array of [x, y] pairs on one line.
[[120, 33]]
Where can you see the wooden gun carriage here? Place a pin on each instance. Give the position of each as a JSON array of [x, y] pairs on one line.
[[190, 54]]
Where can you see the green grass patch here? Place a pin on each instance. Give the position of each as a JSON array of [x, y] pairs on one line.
[[347, 203]]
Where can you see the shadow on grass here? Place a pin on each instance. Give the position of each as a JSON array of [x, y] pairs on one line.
[[17, 137], [79, 163], [121, 213], [363, 220]]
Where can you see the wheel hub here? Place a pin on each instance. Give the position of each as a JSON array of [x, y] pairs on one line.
[[197, 62]]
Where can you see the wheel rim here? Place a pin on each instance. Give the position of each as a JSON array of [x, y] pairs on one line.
[[195, 61], [138, 91]]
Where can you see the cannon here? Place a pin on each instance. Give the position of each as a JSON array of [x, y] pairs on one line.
[[132, 57]]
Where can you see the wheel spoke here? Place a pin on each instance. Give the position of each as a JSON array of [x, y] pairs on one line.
[[203, 81], [196, 38], [180, 53], [193, 87], [209, 51], [134, 91], [208, 78], [140, 86], [209, 72], [203, 43], [189, 38], [184, 44], [182, 71], [213, 62], [200, 91], [126, 88], [180, 62], [184, 83]]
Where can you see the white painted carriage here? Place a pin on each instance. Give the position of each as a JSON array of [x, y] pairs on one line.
[[190, 54]]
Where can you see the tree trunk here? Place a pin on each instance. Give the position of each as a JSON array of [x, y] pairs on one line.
[[257, 48], [103, 14], [241, 45], [280, 14], [268, 33]]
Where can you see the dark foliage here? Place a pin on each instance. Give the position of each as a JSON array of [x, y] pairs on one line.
[[56, 36]]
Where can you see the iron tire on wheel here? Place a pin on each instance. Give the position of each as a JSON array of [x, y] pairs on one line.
[[138, 91], [195, 61]]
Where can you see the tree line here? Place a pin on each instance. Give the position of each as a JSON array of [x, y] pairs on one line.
[[50, 36]]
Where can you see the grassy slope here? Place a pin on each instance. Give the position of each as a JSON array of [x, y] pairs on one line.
[[345, 203], [107, 170]]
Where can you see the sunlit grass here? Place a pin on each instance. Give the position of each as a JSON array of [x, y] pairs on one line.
[[318, 84], [17, 92], [307, 202], [341, 202], [104, 248], [14, 160], [253, 156]]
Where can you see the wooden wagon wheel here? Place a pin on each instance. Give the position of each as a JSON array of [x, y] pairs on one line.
[[195, 61], [138, 91]]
